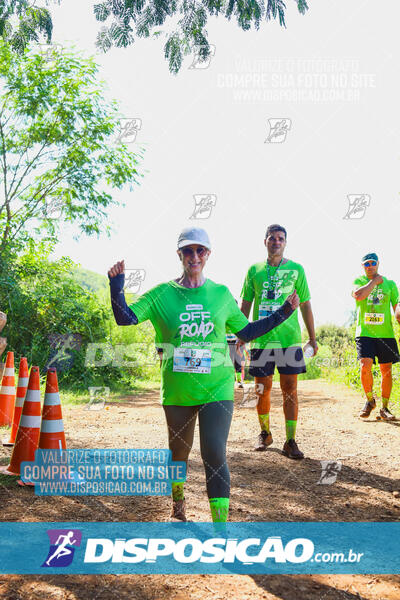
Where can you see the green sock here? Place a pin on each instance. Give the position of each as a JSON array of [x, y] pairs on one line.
[[177, 490], [290, 430], [369, 396], [385, 402], [264, 422], [219, 509], [238, 377]]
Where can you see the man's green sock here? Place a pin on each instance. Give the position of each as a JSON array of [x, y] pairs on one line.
[[370, 396], [264, 422], [177, 490], [290, 430], [219, 509], [385, 402]]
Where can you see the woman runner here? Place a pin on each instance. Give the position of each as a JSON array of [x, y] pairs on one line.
[[190, 315]]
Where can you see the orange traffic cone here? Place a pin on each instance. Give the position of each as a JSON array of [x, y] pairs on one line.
[[52, 429], [27, 438], [7, 392], [19, 400]]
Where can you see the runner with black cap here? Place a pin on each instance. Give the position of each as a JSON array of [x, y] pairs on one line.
[[374, 295], [191, 316]]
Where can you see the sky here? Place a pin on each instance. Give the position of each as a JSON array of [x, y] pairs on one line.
[[297, 126]]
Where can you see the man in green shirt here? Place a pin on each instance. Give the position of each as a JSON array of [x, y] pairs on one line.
[[374, 294], [268, 284]]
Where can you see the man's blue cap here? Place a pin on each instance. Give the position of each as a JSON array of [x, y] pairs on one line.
[[370, 256]]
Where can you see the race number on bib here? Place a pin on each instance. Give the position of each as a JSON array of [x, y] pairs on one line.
[[264, 310], [374, 318], [192, 360]]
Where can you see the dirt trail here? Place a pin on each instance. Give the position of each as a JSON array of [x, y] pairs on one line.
[[265, 487]]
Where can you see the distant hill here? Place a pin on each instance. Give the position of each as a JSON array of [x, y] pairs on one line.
[[94, 282]]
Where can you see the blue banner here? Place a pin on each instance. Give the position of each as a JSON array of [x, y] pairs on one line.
[[192, 548]]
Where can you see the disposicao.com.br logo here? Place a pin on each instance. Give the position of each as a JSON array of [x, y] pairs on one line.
[[213, 550]]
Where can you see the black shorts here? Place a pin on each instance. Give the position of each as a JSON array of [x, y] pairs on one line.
[[384, 349], [235, 356], [288, 361]]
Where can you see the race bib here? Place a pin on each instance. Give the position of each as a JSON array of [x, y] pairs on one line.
[[374, 318], [192, 360], [264, 310]]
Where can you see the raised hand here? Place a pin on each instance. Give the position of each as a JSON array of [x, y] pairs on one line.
[[293, 300], [117, 269]]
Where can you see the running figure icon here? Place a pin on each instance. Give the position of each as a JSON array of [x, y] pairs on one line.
[[62, 549]]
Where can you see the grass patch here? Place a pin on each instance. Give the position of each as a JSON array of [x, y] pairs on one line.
[[73, 397], [8, 480]]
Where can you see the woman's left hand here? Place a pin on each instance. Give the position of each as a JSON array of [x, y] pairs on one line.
[[293, 300]]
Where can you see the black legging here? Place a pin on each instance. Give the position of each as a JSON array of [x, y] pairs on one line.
[[214, 423]]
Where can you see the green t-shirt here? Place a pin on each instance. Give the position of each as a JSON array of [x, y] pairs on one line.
[[374, 318], [190, 326], [283, 280]]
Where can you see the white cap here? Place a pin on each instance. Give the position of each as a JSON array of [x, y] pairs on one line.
[[193, 235]]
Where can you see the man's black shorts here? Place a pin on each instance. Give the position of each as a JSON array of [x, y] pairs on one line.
[[385, 349], [288, 361]]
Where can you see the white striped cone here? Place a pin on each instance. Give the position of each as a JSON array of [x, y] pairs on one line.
[[19, 400], [26, 441], [52, 430], [7, 392]]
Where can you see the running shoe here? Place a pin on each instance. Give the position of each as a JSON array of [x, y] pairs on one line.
[[386, 415], [263, 441], [368, 407], [178, 512], [291, 450]]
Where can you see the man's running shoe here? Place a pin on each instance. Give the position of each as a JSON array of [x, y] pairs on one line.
[[291, 450], [386, 415], [368, 407], [263, 441], [178, 512]]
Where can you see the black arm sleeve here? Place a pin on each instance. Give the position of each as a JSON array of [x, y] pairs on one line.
[[122, 313], [262, 326]]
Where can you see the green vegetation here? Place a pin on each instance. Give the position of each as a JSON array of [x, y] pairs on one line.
[[58, 149], [50, 311], [125, 20]]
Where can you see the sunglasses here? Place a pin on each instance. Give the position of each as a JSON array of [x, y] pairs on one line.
[[191, 252], [370, 263]]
